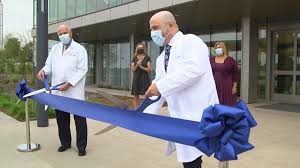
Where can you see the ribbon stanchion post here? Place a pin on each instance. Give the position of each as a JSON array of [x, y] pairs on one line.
[[224, 164], [28, 147]]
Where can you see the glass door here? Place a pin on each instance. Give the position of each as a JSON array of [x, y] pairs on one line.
[[286, 66]]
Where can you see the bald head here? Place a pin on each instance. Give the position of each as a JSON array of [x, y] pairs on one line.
[[63, 29], [166, 23], [164, 17]]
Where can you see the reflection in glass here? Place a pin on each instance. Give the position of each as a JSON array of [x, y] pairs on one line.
[[52, 10], [206, 39], [112, 65], [61, 8], [115, 69], [112, 3], [105, 71], [298, 53], [125, 64], [283, 84], [91, 6], [298, 85], [284, 51], [102, 4], [90, 77], [261, 63], [80, 7], [153, 51], [71, 8]]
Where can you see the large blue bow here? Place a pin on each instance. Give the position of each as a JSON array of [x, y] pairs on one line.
[[226, 130], [223, 130], [21, 90]]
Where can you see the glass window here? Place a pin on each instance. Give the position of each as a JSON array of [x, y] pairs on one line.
[[112, 65], [298, 53], [90, 77], [239, 48], [298, 85], [34, 13], [52, 10], [102, 4], [91, 6], [206, 39], [125, 65], [71, 8], [112, 3], [153, 51], [62, 9], [116, 65], [284, 51], [283, 84], [105, 64], [261, 62], [81, 7]]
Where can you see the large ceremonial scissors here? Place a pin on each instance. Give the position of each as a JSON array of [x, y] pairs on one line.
[[47, 89]]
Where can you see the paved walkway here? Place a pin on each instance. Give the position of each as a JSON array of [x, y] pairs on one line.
[[277, 141]]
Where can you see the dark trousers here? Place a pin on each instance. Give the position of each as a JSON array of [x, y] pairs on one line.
[[64, 132], [194, 164]]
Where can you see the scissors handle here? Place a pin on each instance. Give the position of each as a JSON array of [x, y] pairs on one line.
[[46, 83], [147, 102], [56, 87]]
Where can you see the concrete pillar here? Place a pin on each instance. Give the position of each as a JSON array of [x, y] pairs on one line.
[[249, 60]]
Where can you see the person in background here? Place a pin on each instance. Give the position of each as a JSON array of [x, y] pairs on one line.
[[140, 66], [225, 72]]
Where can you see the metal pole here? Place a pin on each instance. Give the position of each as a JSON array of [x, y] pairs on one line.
[[28, 147], [27, 125], [41, 56], [224, 164]]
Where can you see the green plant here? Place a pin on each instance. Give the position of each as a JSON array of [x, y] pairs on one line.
[[17, 111]]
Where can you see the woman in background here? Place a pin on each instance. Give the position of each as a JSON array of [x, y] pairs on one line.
[[140, 66], [225, 72]]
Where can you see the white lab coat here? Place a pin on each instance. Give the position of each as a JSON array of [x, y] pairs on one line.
[[188, 86], [70, 66]]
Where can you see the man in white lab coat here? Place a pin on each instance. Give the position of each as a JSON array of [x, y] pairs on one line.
[[183, 78], [67, 62]]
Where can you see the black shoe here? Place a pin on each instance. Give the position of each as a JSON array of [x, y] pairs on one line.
[[63, 148], [81, 152]]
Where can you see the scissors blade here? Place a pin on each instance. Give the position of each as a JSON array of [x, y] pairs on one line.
[[46, 106], [35, 92], [106, 129], [117, 102]]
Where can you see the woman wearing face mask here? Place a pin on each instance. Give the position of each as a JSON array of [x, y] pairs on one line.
[[140, 66], [225, 72]]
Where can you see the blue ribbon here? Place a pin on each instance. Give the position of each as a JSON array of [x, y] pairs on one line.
[[223, 130]]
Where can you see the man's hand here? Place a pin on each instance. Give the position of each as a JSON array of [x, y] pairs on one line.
[[41, 75], [152, 91], [65, 86]]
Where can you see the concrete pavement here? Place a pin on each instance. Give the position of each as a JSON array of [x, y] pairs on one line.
[[276, 138]]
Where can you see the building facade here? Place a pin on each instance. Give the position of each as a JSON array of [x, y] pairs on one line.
[[263, 36]]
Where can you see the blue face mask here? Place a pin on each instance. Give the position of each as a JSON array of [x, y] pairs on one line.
[[65, 38], [219, 51], [157, 37]]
